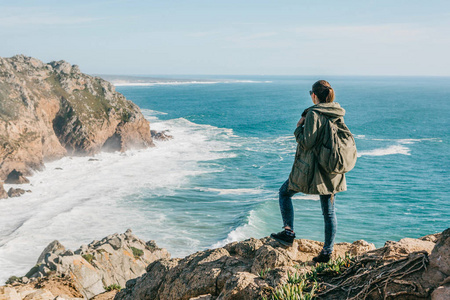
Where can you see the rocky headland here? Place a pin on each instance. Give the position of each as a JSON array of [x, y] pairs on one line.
[[122, 267], [49, 110]]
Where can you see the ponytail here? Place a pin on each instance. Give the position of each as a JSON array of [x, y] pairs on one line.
[[323, 90]]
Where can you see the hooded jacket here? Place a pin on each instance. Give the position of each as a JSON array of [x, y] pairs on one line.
[[307, 176]]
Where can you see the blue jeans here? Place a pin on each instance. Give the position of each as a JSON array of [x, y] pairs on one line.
[[329, 215]]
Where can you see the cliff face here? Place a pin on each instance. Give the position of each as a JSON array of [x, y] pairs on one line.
[[50, 110]]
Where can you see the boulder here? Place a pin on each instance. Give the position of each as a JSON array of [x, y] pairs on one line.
[[438, 270], [161, 135], [12, 192]]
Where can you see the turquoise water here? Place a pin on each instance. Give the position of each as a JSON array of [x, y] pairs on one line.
[[216, 181], [397, 189]]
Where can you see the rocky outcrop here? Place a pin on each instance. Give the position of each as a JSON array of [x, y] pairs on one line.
[[253, 269], [231, 272], [50, 110], [161, 135], [12, 192], [92, 268], [42, 289], [438, 271]]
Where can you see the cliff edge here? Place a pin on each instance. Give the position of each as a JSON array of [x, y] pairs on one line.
[[50, 110]]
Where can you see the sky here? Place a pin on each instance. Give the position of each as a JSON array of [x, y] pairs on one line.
[[246, 37]]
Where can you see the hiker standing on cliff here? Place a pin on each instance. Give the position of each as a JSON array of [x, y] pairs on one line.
[[325, 151]]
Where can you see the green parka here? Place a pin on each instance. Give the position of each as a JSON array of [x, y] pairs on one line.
[[307, 176]]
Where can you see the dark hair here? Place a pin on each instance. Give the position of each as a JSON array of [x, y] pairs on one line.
[[323, 90]]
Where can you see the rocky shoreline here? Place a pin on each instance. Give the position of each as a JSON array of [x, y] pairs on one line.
[[122, 267]]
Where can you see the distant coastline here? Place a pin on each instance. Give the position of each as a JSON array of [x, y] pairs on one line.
[[123, 80]]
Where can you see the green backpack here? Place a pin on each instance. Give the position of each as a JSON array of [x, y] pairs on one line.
[[337, 152]]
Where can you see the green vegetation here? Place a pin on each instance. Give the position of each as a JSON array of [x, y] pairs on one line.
[[304, 286], [12, 279], [263, 273], [113, 287], [137, 253], [88, 257], [126, 116]]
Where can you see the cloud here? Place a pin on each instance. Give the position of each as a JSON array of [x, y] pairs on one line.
[[376, 33], [36, 16]]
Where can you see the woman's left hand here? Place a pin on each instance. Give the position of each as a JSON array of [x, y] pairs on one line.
[[301, 122]]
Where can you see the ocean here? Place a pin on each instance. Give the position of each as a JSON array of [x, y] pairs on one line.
[[217, 180]]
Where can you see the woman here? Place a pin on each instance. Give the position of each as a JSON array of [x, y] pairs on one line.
[[307, 176]]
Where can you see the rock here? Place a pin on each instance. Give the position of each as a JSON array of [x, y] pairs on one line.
[[106, 295], [440, 256], [3, 193], [243, 285], [431, 237], [16, 177], [441, 293], [404, 247], [54, 248], [12, 192], [9, 293], [111, 261], [45, 288], [438, 270], [40, 295], [161, 135], [49, 110], [231, 272]]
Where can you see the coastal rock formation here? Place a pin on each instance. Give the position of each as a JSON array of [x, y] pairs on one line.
[[250, 269], [161, 135], [110, 262], [253, 269], [12, 192], [231, 272], [42, 289], [50, 110]]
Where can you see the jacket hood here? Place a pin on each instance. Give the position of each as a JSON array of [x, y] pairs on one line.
[[331, 110]]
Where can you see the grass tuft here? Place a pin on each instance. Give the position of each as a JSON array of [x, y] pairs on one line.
[[137, 253], [305, 286], [113, 287]]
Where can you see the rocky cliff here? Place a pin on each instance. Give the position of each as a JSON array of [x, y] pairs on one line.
[[50, 110], [262, 269], [250, 269]]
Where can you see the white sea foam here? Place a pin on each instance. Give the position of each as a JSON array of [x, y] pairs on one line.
[[399, 148], [411, 141], [305, 197], [233, 191], [176, 82], [242, 232], [162, 83], [394, 149], [69, 196]]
